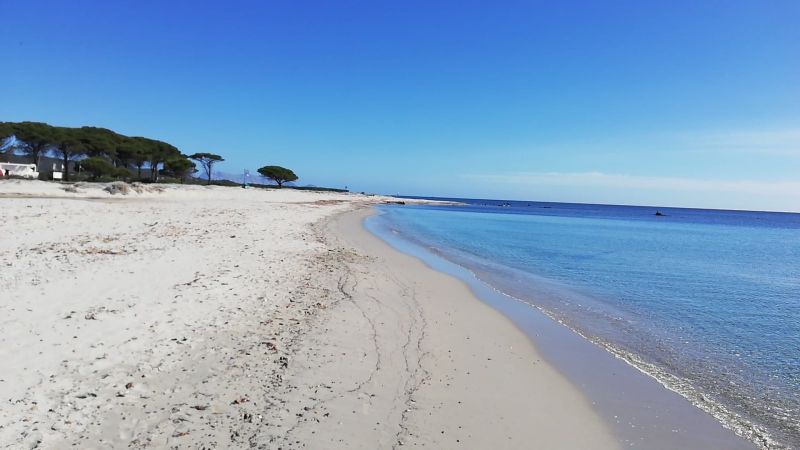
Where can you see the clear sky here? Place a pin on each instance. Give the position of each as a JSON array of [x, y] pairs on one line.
[[690, 103]]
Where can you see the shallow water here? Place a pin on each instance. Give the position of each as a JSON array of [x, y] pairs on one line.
[[708, 302]]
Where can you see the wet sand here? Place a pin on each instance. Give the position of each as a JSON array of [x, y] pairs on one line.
[[641, 412]]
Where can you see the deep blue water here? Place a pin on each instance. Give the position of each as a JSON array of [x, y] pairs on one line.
[[706, 301]]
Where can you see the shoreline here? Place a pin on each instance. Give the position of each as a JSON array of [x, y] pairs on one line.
[[484, 374], [211, 316], [620, 390], [231, 318]]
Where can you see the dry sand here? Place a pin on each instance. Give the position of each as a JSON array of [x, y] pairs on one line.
[[210, 317]]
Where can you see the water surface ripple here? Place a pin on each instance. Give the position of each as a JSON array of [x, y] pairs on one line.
[[706, 301]]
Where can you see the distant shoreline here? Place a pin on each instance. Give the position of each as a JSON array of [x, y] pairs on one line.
[[536, 203]]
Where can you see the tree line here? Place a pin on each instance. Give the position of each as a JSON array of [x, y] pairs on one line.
[[103, 152], [99, 150]]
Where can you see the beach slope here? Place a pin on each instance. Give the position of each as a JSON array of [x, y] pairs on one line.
[[427, 364], [211, 317]]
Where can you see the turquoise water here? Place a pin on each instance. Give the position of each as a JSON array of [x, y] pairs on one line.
[[708, 302]]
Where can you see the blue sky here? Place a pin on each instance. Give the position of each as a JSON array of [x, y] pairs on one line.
[[670, 103]]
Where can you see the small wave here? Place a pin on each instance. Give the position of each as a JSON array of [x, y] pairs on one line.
[[722, 412], [727, 417]]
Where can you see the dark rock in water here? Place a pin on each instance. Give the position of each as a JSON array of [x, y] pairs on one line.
[[658, 213]]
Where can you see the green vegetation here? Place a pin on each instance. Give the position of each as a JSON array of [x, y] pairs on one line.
[[277, 174], [98, 167], [180, 168], [207, 161], [33, 139], [297, 188], [100, 154], [119, 152], [6, 136]]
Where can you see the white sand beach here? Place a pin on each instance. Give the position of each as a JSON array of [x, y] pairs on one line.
[[213, 317]]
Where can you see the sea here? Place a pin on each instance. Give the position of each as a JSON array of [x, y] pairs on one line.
[[706, 302]]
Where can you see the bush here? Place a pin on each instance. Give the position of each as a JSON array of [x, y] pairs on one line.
[[123, 173], [297, 188], [179, 168], [97, 167]]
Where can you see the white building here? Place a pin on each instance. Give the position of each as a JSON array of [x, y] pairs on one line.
[[19, 170]]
